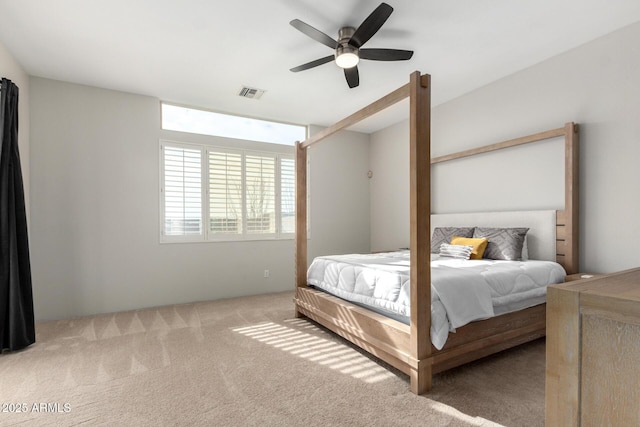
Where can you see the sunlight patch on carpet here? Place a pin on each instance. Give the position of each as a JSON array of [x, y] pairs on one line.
[[453, 412], [316, 349]]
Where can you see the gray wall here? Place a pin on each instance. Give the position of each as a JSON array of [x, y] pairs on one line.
[[595, 85], [339, 195], [389, 188], [95, 205]]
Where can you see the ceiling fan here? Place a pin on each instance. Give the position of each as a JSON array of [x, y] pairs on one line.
[[348, 47]]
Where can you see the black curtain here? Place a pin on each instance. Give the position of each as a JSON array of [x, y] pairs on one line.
[[17, 329]]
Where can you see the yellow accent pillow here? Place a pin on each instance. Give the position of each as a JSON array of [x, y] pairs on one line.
[[479, 245]]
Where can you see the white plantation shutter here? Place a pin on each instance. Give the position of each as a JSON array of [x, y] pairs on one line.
[[260, 181], [220, 194], [287, 195], [225, 193], [182, 190]]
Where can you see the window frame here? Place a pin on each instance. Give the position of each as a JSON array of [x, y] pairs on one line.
[[207, 235], [248, 122]]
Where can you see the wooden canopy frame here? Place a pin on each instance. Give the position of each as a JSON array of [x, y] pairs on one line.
[[408, 347]]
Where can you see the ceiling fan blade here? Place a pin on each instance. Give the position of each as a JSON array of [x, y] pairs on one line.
[[317, 35], [352, 76], [385, 54], [313, 63], [371, 25]]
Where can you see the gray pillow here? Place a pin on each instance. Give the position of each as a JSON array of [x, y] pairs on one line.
[[504, 243], [444, 234]]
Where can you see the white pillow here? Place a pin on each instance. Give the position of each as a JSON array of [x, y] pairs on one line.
[[456, 251]]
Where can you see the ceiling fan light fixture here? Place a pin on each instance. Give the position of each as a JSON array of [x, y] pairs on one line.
[[347, 56]]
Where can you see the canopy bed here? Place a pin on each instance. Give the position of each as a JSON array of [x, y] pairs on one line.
[[406, 345]]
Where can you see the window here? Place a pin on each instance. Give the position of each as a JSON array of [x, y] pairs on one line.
[[182, 191], [260, 194], [288, 195], [238, 194], [204, 122]]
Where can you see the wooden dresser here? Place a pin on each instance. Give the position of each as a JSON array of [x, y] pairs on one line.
[[593, 351]]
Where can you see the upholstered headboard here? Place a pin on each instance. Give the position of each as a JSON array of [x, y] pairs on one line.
[[541, 238]]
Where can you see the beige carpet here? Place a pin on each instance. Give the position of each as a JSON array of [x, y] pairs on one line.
[[245, 361]]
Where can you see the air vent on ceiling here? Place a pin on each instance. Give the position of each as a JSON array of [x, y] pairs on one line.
[[250, 92]]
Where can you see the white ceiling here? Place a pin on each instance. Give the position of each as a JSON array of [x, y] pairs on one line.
[[201, 52]]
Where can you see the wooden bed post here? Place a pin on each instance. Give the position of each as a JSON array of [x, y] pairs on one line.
[[571, 201], [301, 220], [420, 230]]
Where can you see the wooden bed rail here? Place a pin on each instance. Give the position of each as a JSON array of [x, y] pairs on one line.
[[554, 133], [371, 109]]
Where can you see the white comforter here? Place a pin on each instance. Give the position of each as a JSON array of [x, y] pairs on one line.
[[461, 290]]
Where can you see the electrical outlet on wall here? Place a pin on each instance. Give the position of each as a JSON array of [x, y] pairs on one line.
[[266, 274]]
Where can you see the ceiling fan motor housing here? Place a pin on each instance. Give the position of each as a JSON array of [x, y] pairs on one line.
[[345, 34]]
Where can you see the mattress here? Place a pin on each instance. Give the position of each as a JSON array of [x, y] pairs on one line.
[[461, 290]]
